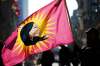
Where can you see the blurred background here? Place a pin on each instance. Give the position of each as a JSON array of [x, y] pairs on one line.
[[84, 14]]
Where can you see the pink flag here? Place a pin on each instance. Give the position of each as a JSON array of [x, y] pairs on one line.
[[53, 24]]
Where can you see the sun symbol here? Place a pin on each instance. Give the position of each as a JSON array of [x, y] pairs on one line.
[[46, 26]]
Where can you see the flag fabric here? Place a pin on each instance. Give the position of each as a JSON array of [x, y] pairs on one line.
[[52, 21]]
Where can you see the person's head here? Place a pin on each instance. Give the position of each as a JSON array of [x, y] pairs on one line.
[[92, 37], [28, 30], [34, 30], [34, 27], [63, 46], [92, 34], [25, 31]]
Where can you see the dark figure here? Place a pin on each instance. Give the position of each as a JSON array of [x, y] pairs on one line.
[[64, 56], [30, 39], [19, 64], [47, 58], [75, 55], [91, 55], [1, 46]]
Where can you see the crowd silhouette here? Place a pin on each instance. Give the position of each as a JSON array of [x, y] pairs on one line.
[[90, 56]]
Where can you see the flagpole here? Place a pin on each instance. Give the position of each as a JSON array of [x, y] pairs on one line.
[[69, 18], [58, 1]]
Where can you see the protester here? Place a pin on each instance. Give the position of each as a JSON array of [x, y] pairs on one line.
[[64, 56], [76, 55], [91, 55], [47, 58]]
